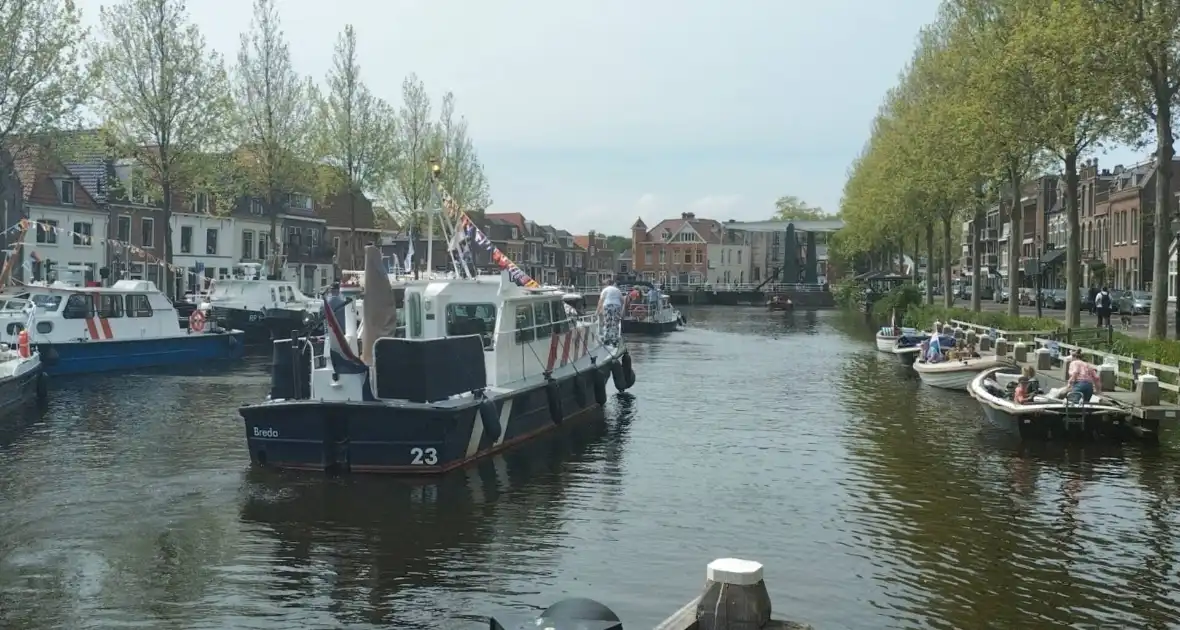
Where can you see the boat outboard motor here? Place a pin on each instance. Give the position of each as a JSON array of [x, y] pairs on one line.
[[577, 613]]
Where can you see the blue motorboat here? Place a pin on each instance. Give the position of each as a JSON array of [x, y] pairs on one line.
[[130, 325]]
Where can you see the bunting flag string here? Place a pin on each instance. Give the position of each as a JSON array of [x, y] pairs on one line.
[[29, 224], [475, 235]]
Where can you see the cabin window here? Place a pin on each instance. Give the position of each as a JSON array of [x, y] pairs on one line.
[[524, 324], [543, 316], [561, 321], [47, 303], [14, 329], [273, 296], [110, 305], [414, 310], [44, 327], [138, 306], [471, 319], [78, 307]]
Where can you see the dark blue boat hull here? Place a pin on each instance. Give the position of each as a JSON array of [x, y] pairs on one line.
[[410, 439], [88, 357]]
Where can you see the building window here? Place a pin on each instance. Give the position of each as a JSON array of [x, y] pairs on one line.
[[82, 233], [257, 207], [336, 244], [67, 193], [569, 259], [293, 236], [647, 256], [123, 230], [211, 241], [663, 257], [299, 201], [263, 244], [147, 232], [700, 256], [201, 204], [186, 239], [47, 231], [247, 244]]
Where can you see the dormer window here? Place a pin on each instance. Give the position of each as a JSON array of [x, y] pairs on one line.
[[299, 201], [515, 234], [201, 203], [256, 207], [67, 192], [667, 234]]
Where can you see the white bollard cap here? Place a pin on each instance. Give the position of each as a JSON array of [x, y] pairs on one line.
[[734, 572], [1148, 378], [1041, 351], [1106, 367], [1020, 344]]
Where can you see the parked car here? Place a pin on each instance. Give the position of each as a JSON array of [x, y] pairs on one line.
[[1053, 298], [1140, 301], [1004, 296], [1087, 302]]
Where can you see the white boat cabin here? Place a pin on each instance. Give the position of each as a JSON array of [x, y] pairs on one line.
[[519, 325], [246, 290], [130, 309]]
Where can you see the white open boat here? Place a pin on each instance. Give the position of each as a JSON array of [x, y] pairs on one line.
[[957, 373], [1046, 416], [886, 338]]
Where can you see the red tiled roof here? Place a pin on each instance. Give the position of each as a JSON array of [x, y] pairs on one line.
[[582, 241], [515, 218]]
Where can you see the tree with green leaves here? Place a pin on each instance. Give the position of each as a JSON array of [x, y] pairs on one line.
[[409, 190], [42, 83], [462, 174], [1079, 105], [792, 208], [356, 129], [273, 125], [163, 97], [1146, 36]]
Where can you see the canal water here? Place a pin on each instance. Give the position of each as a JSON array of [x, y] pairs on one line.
[[873, 501]]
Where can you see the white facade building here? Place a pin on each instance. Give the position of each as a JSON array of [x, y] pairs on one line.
[[728, 264], [252, 240], [78, 242], [203, 244]]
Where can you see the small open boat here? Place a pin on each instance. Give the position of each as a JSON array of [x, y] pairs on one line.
[[908, 348], [957, 373], [1046, 417], [779, 303], [887, 336]]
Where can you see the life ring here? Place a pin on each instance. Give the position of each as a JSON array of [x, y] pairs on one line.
[[628, 371], [196, 321], [490, 419], [22, 345], [579, 392], [599, 386], [553, 394]]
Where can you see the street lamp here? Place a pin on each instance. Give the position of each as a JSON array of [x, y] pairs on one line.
[[1038, 245]]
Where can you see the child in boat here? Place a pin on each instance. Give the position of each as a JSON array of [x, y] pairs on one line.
[[1027, 387]]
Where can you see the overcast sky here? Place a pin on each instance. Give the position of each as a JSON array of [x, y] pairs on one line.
[[589, 113]]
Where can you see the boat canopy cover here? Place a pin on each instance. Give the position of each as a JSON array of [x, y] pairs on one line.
[[909, 341], [379, 317]]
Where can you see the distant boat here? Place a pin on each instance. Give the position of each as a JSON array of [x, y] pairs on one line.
[[128, 325], [22, 378], [262, 309]]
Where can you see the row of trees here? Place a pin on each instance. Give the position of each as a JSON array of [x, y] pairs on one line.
[[999, 91], [258, 127]]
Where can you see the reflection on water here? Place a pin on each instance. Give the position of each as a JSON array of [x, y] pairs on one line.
[[874, 501]]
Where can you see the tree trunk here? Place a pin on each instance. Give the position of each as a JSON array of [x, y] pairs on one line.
[[352, 227], [272, 256], [166, 189], [1015, 239], [977, 225], [948, 296], [917, 255], [1157, 322], [1073, 252], [930, 263]]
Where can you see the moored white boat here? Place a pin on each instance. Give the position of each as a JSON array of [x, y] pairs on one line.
[[22, 378], [887, 337], [1045, 417], [956, 374], [261, 308], [128, 325]]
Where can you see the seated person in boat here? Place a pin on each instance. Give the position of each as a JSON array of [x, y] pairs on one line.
[[1027, 387], [1082, 378]]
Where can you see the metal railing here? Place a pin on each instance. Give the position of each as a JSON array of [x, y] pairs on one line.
[[722, 288]]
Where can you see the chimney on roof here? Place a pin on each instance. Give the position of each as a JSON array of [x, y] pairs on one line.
[[683, 215], [1118, 169], [690, 215]]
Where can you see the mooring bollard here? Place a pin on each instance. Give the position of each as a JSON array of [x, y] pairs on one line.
[[971, 336], [959, 333], [1148, 392], [985, 342], [1065, 365], [1001, 347], [1020, 351], [1044, 360], [1108, 376], [735, 598]]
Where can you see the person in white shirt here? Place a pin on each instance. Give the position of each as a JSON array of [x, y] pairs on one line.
[[610, 312]]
